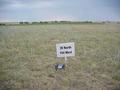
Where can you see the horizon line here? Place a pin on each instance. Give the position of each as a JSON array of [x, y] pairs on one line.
[[63, 21]]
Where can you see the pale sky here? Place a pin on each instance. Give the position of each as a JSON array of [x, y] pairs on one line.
[[50, 10]]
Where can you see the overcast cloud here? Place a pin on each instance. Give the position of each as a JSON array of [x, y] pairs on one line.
[[38, 10]]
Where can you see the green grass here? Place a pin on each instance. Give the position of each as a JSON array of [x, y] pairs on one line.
[[28, 55]]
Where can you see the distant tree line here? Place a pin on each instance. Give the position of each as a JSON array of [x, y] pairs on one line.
[[56, 22]]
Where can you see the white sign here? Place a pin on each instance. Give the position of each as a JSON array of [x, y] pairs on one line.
[[65, 49]]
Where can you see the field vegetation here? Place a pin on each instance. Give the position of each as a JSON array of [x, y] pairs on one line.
[[28, 56]]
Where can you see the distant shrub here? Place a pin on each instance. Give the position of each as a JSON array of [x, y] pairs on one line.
[[23, 22], [35, 22], [26, 22], [2, 24]]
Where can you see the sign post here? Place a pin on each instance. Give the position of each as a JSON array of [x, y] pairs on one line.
[[65, 50], [65, 58]]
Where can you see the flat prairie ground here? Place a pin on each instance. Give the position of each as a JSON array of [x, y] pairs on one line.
[[28, 56]]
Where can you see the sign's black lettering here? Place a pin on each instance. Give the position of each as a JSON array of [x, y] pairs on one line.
[[67, 52], [62, 52], [61, 47], [68, 47]]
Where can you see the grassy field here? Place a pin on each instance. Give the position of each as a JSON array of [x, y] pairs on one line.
[[28, 55]]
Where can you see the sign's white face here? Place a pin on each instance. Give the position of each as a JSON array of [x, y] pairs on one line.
[[65, 49]]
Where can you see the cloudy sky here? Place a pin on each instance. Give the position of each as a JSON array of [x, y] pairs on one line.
[[45, 10]]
